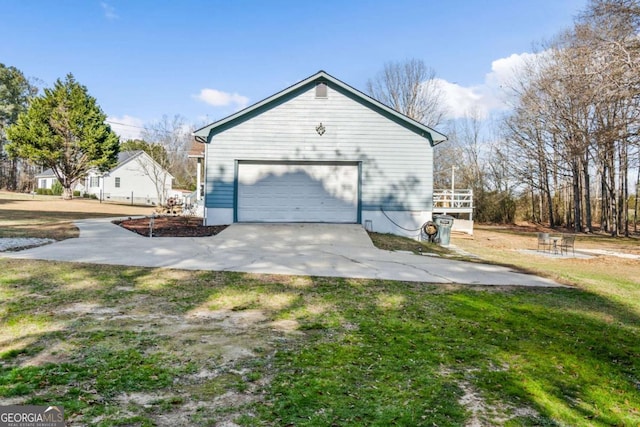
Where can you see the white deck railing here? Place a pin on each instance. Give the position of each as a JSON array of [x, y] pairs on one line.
[[458, 199], [458, 203]]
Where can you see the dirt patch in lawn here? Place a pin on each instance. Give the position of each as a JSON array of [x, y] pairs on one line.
[[218, 358], [170, 226]]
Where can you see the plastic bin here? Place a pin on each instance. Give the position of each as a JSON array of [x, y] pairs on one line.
[[444, 223]]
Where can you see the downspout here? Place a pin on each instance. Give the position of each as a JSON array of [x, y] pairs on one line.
[[204, 192], [199, 179]]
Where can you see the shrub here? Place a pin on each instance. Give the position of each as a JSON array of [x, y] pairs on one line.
[[494, 207], [56, 189], [76, 193]]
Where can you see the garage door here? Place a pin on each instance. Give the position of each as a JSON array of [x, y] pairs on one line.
[[297, 192]]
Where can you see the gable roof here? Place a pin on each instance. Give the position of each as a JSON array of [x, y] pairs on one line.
[[202, 134], [123, 158], [47, 173]]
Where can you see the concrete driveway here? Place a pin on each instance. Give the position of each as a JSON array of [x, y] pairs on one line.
[[334, 250]]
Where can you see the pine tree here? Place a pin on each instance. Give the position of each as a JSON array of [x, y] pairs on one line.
[[65, 130]]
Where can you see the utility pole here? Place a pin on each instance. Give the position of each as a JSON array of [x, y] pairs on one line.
[[453, 183]]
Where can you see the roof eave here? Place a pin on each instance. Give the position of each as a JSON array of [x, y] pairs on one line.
[[202, 134], [435, 137]]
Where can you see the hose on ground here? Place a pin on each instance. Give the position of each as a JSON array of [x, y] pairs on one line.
[[429, 228]]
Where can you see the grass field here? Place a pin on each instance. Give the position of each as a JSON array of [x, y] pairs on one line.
[[135, 346], [24, 215]]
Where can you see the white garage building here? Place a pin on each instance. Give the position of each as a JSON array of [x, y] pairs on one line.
[[320, 151]]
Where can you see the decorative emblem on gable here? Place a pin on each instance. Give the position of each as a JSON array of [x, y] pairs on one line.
[[320, 129]]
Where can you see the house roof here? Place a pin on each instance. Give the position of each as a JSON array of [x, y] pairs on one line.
[[123, 157], [127, 156], [435, 137], [196, 150], [47, 173]]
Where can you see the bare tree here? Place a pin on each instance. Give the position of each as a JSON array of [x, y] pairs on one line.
[[411, 88], [155, 166], [532, 163], [174, 134], [577, 119], [479, 165], [610, 29]]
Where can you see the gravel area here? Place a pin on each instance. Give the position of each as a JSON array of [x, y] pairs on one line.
[[7, 243]]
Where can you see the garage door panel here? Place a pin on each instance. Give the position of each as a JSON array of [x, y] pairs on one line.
[[297, 192]]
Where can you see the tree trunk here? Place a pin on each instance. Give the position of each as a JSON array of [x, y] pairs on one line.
[[604, 202], [613, 200], [624, 189], [533, 206], [577, 198], [546, 189], [67, 193], [547, 192], [12, 181], [635, 207], [587, 194]]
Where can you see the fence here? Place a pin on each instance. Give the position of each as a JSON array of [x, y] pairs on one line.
[[461, 200]]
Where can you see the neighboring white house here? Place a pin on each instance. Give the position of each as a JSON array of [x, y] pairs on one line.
[[320, 151], [136, 178], [45, 179]]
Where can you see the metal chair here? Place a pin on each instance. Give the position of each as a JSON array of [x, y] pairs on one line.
[[544, 241], [568, 241]]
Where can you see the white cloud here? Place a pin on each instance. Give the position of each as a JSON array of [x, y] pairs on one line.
[[127, 127], [491, 95], [218, 98], [504, 70], [461, 100], [109, 11]]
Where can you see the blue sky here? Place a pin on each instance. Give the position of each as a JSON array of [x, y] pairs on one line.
[[206, 59]]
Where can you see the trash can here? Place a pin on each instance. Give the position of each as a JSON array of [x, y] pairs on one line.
[[444, 223]]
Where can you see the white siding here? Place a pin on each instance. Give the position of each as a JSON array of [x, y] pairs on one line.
[[134, 181], [46, 182]]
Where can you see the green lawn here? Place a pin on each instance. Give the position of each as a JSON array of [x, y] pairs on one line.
[[134, 346]]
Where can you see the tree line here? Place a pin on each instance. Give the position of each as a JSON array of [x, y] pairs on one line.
[[65, 130], [566, 153], [574, 127]]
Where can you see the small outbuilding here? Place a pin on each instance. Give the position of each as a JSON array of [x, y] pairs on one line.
[[320, 151]]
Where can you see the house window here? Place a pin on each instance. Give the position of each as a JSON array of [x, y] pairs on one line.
[[94, 181], [117, 182], [321, 90]]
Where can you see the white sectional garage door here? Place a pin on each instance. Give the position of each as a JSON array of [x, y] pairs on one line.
[[297, 192]]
